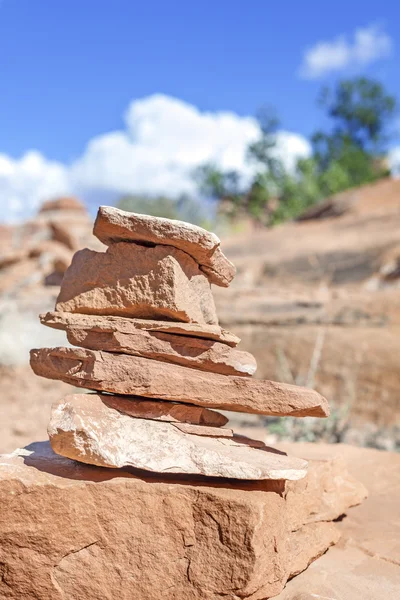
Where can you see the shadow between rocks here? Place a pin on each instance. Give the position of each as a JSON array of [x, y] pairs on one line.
[[40, 456]]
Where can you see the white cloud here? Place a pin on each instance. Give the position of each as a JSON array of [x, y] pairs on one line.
[[26, 182], [367, 45], [394, 161], [163, 141]]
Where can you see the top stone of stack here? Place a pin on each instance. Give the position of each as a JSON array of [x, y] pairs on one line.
[[113, 225]]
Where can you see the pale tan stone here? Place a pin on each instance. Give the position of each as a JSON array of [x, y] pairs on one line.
[[98, 333], [85, 428], [123, 374], [62, 320], [136, 281], [71, 530], [114, 225], [172, 412], [206, 431]]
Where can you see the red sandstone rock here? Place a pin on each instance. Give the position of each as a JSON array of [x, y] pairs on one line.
[[195, 353], [66, 320], [78, 532], [171, 412], [115, 225], [123, 374], [136, 281], [85, 428], [198, 353]]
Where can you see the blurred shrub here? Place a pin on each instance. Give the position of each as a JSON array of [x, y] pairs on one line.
[[348, 154]]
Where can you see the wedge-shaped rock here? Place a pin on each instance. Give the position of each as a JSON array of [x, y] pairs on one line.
[[198, 353], [171, 412], [122, 374], [115, 225], [62, 320], [84, 428], [136, 281], [69, 530]]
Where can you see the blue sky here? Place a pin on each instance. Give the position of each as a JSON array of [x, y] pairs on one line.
[[71, 69]]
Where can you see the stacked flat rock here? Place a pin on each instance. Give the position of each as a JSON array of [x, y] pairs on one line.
[[148, 344]]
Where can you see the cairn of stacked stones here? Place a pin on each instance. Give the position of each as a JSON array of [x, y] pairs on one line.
[[147, 341]]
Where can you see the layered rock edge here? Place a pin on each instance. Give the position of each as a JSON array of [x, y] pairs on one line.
[[113, 225], [101, 333], [63, 320], [85, 427], [132, 375], [158, 410]]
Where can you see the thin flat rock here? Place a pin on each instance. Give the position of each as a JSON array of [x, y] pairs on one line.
[[135, 281], [113, 225], [62, 320], [172, 412], [206, 430], [89, 431], [123, 374], [194, 352]]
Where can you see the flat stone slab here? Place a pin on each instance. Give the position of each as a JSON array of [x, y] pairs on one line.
[[135, 281], [83, 427], [79, 532], [123, 374], [172, 412], [114, 225], [195, 352], [62, 320]]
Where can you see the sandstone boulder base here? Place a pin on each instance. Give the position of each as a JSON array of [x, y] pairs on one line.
[[78, 532], [122, 374], [136, 281], [84, 428], [64, 320], [198, 353], [172, 412], [114, 225]]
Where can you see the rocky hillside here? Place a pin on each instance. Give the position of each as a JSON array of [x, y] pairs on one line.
[[317, 302]]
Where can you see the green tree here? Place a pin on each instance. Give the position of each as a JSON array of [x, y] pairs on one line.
[[262, 152], [361, 112], [215, 184], [351, 152]]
